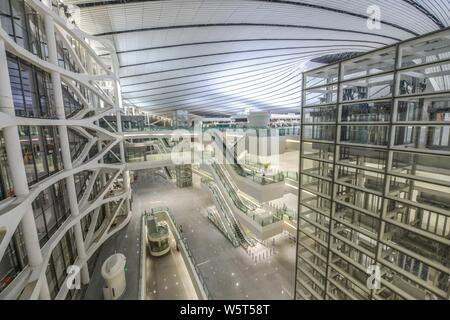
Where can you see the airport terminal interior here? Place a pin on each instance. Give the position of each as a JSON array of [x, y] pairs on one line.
[[224, 150]]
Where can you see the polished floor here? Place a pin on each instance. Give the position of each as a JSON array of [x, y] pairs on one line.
[[127, 242], [264, 272], [230, 273], [167, 277]]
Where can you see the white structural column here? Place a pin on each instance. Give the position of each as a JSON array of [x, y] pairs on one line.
[[18, 173], [65, 146], [126, 173]]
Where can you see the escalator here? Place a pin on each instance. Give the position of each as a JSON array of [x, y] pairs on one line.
[[166, 143], [229, 222], [160, 148], [229, 153], [168, 173], [262, 222], [231, 188], [216, 219]]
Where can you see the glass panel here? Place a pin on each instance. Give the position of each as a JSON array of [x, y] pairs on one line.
[[71, 102], [421, 219], [425, 50], [369, 64], [320, 151], [31, 88], [350, 252], [362, 157], [6, 185], [314, 202], [436, 109], [360, 178], [60, 268], [27, 153], [423, 80], [312, 231], [422, 165], [319, 114], [319, 132], [366, 112], [49, 210], [348, 196], [423, 137], [315, 185], [368, 88], [356, 287], [77, 143], [322, 76], [51, 145], [322, 95], [39, 153], [360, 240], [416, 269], [317, 168], [51, 279], [14, 260], [6, 19], [67, 249], [420, 192], [17, 27], [374, 135], [357, 218]]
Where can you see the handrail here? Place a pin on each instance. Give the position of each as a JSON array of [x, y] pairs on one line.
[[189, 254], [233, 223], [161, 232], [282, 131], [232, 237], [237, 201], [231, 189]]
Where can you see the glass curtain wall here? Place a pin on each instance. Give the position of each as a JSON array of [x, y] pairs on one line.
[[33, 98], [375, 172]]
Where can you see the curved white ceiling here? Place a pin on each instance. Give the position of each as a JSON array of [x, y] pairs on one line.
[[219, 57]]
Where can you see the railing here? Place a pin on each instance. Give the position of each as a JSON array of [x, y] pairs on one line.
[[140, 157], [234, 225], [213, 217], [292, 175], [164, 146], [292, 131], [161, 231], [282, 131], [246, 209], [261, 178], [279, 176], [186, 246], [281, 211], [158, 248], [231, 189], [142, 275]]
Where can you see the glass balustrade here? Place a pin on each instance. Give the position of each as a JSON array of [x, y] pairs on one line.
[[189, 254], [375, 173]]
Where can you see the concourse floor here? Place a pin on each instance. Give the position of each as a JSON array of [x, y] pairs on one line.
[[230, 273], [168, 278], [264, 272]]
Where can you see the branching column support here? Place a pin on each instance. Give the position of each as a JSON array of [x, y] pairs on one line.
[[18, 172], [65, 146], [126, 173]]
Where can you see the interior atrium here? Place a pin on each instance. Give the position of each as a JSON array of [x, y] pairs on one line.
[[224, 150]]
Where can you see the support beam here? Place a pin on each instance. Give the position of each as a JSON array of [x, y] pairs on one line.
[[18, 172], [65, 145]]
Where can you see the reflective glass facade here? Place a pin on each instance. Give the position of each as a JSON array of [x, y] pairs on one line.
[[375, 190], [40, 144]]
